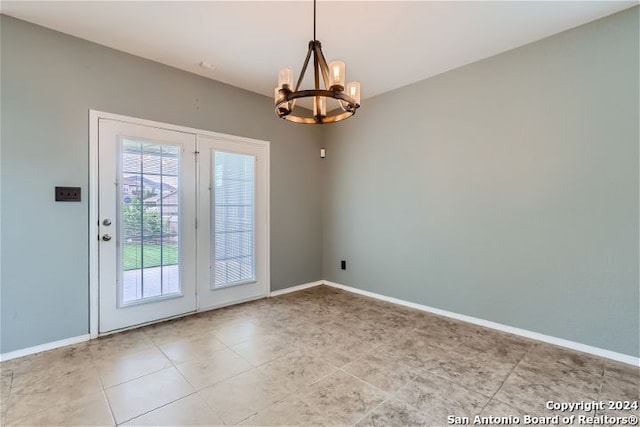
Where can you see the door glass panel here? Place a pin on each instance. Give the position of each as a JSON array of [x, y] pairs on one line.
[[148, 249], [234, 218]]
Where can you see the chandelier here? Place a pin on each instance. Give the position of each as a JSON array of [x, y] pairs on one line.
[[345, 99]]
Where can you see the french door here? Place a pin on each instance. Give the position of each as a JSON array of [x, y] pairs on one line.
[[147, 233], [232, 222], [182, 221]]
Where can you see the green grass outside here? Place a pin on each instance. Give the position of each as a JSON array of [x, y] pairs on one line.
[[133, 255]]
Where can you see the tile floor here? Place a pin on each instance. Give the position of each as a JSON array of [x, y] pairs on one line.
[[313, 357]]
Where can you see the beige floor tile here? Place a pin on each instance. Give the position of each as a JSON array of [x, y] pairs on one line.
[[438, 398], [289, 412], [315, 357], [615, 388], [280, 322], [336, 356], [139, 396], [498, 409], [342, 398], [558, 360], [6, 378], [417, 354], [34, 393], [336, 348], [561, 376], [244, 395], [374, 332], [190, 328], [221, 365], [237, 332], [118, 368], [497, 346], [232, 314], [529, 392], [188, 411], [66, 358], [394, 413], [620, 391], [90, 410], [444, 334], [120, 344], [41, 381], [382, 371], [187, 350], [263, 349], [622, 371], [297, 369], [391, 319], [475, 371]]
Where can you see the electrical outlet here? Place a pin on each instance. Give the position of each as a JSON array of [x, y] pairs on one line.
[[67, 194], [343, 265]]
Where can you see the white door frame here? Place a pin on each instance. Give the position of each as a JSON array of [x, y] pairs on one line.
[[94, 117]]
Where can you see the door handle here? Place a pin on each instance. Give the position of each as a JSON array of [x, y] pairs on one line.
[[106, 237]]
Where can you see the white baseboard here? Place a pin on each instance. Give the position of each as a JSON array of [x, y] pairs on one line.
[[295, 288], [624, 358], [43, 347]]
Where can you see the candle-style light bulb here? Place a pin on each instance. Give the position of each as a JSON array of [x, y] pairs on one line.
[[322, 101], [279, 97], [285, 79], [353, 90], [337, 75]]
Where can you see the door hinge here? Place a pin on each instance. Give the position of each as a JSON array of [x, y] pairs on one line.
[[196, 223]]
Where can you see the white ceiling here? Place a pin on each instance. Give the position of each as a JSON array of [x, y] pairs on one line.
[[386, 44]]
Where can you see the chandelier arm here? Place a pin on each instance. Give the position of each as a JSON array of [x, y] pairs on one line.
[[301, 77], [304, 68], [323, 65], [316, 100], [315, 70]]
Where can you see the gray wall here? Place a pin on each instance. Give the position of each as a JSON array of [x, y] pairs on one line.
[[49, 82], [506, 189]]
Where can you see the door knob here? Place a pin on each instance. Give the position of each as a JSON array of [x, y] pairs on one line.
[[106, 237]]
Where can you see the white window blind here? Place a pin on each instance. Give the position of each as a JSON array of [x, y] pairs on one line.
[[234, 218]]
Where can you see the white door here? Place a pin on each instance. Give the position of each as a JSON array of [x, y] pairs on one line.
[[146, 219], [233, 221]]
